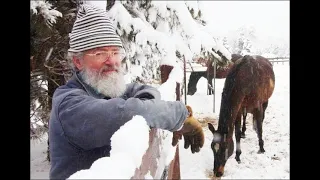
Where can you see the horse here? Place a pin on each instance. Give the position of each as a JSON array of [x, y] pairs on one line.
[[249, 85], [221, 73]]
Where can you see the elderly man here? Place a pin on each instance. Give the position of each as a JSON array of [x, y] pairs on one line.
[[96, 102]]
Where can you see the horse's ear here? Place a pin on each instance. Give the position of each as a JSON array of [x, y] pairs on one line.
[[211, 128]]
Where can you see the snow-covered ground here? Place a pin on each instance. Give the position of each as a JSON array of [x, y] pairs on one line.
[[273, 164], [39, 166]]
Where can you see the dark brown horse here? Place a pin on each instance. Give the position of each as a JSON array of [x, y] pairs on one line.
[[221, 72], [249, 85]]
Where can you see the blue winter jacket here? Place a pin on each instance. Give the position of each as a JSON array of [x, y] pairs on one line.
[[83, 121]]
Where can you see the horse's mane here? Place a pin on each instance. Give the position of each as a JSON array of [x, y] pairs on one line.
[[225, 107], [235, 57]]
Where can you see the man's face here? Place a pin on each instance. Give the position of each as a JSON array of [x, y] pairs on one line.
[[103, 57], [101, 68]]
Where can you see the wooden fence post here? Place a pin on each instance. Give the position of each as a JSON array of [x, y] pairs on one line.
[[149, 160], [174, 168]]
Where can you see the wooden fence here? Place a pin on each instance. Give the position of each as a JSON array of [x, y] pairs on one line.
[[279, 59], [150, 159]]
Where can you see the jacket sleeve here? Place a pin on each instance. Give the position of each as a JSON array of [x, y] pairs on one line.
[[89, 122], [143, 91]]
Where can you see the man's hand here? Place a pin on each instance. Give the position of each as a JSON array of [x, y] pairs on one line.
[[192, 133]]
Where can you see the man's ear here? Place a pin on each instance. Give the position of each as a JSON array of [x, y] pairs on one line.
[[77, 62]]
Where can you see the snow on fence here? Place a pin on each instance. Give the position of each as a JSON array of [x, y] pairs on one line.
[[139, 152]]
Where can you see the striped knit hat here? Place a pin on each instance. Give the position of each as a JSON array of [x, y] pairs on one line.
[[92, 29]]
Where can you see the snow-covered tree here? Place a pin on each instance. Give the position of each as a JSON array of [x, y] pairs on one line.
[[274, 49], [226, 44], [44, 8], [161, 32], [50, 24], [246, 40], [242, 43], [242, 40], [279, 49], [42, 17]]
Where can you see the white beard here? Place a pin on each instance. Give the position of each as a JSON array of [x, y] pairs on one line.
[[111, 85]]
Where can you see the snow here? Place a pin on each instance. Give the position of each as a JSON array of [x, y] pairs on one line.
[[145, 35], [269, 55], [193, 5], [168, 88], [99, 4], [45, 9], [122, 151], [273, 164], [33, 119], [269, 28]]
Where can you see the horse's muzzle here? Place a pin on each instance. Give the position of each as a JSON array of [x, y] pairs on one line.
[[220, 171]]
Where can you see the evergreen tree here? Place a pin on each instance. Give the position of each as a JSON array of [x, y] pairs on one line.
[[50, 24], [226, 44], [243, 43], [160, 32]]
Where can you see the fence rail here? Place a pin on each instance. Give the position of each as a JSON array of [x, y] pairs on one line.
[[279, 59], [276, 58]]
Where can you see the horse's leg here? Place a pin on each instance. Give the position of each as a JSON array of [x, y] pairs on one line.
[[210, 85], [264, 106], [258, 115], [238, 136], [209, 79], [244, 128]]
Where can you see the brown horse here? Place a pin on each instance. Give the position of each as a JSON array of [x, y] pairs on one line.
[[249, 85], [221, 72]]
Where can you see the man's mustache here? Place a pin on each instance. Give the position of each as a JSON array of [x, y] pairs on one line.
[[109, 68]]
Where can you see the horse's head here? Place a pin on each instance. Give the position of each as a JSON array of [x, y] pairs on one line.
[[193, 80], [222, 148]]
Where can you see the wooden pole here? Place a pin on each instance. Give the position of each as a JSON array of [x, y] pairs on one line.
[[185, 79], [214, 85], [208, 80]]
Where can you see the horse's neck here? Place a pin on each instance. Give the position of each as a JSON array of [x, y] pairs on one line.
[[226, 129], [226, 134], [230, 107]]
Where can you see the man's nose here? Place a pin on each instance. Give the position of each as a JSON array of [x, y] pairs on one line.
[[109, 61]]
